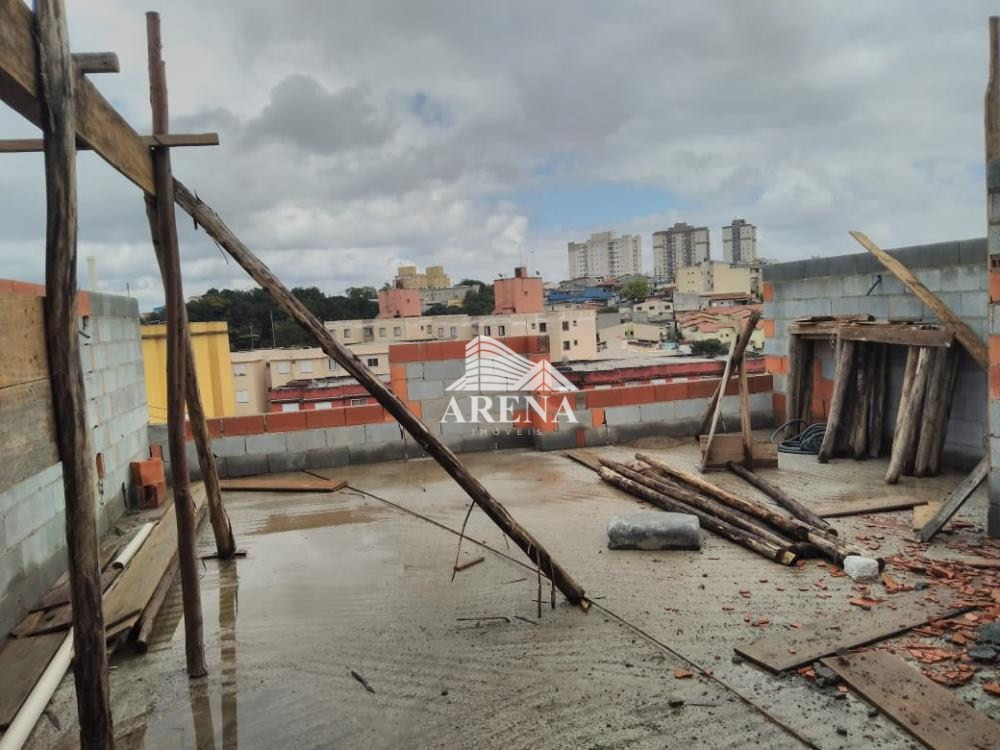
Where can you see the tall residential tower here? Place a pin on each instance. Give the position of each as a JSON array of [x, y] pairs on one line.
[[739, 243], [604, 256], [681, 245]]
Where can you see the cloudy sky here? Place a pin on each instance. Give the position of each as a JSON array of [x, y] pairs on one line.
[[359, 135]]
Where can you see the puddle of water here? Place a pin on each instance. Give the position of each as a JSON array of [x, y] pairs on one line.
[[300, 520]]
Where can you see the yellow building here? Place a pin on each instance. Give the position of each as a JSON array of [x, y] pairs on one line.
[[210, 342]]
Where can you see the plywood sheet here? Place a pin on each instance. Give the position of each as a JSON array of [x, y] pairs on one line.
[[27, 432], [22, 340], [729, 447], [282, 485], [854, 628], [928, 711], [22, 661]]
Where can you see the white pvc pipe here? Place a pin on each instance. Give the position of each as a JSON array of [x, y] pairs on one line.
[[20, 728], [34, 705], [123, 557]]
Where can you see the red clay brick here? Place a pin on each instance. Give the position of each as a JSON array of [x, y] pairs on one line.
[[406, 353], [823, 389], [994, 286], [760, 383], [604, 397], [638, 394], [768, 326], [399, 387], [318, 418], [671, 391], [597, 417], [397, 371], [367, 414], [156, 451], [243, 425], [995, 350], [703, 388], [767, 291], [83, 303], [453, 349], [778, 406], [581, 437], [433, 351], [994, 382], [286, 421], [149, 471], [776, 365]]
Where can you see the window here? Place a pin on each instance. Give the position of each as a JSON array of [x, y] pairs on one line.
[[306, 365], [454, 332], [575, 342], [290, 407], [532, 326], [323, 405], [359, 401], [397, 331], [347, 333], [440, 332], [239, 370], [543, 327], [501, 330], [381, 332], [373, 361], [565, 346], [565, 325], [368, 331], [331, 364], [283, 366], [574, 324], [486, 330], [243, 397]]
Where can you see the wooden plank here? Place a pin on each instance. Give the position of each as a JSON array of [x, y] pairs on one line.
[[172, 140], [96, 62], [281, 485], [22, 661], [924, 513], [586, 458], [27, 432], [965, 335], [868, 505], [715, 407], [897, 333], [856, 627], [955, 499], [928, 711], [22, 340], [728, 447], [97, 122]]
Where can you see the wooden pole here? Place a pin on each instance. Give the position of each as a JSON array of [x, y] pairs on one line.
[[735, 353], [717, 409], [222, 529], [910, 405], [944, 410], [176, 360], [845, 358], [927, 435], [745, 415], [864, 374], [723, 529], [208, 220], [793, 403], [782, 498], [805, 399], [878, 403], [56, 88]]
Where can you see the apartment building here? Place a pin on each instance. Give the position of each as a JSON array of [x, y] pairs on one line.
[[605, 256], [675, 248], [521, 294], [739, 243], [433, 277], [572, 333], [717, 277]]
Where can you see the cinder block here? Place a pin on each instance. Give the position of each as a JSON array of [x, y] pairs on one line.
[[419, 390], [961, 278], [305, 440], [246, 465], [556, 441], [31, 514], [280, 462], [328, 458], [662, 411], [414, 371], [431, 410], [270, 442], [342, 437], [846, 305], [619, 415], [512, 436], [445, 369], [479, 442], [382, 433], [229, 446], [692, 408], [366, 453]]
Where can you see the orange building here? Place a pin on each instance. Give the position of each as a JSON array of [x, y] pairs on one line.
[[399, 302], [521, 294]]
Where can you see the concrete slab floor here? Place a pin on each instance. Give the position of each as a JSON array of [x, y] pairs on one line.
[[344, 581]]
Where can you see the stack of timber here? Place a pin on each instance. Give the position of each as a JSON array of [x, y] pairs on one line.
[[767, 531], [856, 421], [132, 596]]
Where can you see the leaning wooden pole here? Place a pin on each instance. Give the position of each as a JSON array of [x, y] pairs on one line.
[[782, 498], [208, 220], [910, 406], [735, 354], [845, 363], [176, 360], [90, 667], [222, 529]]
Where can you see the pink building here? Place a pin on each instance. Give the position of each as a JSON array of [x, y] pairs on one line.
[[521, 294], [399, 303]]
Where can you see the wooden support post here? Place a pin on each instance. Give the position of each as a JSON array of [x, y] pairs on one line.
[[927, 434], [745, 415], [845, 359], [864, 374], [208, 220], [793, 391], [717, 407], [225, 544], [90, 670], [96, 62], [877, 423], [944, 410], [805, 399], [735, 353], [910, 405], [176, 359]]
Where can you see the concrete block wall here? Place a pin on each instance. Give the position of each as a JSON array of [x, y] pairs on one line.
[[420, 375], [858, 284], [32, 512]]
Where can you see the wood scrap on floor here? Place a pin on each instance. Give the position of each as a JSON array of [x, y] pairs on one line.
[[929, 712], [273, 484], [922, 514], [956, 498], [840, 508], [856, 627], [466, 564], [730, 448]]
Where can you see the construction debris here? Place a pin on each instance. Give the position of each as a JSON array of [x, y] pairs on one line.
[[861, 569], [652, 529]]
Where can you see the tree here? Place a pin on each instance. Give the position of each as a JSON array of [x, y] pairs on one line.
[[478, 301], [439, 308], [635, 290], [708, 348]]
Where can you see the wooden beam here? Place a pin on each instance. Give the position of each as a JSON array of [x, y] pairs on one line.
[[911, 405], [845, 363], [56, 83], [745, 429], [715, 408], [840, 508], [96, 62], [965, 335], [173, 140], [734, 354], [897, 333], [955, 499], [176, 360], [782, 498]]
